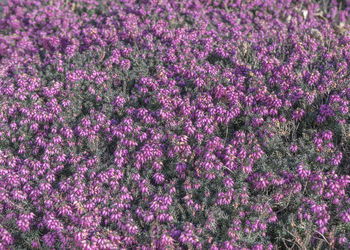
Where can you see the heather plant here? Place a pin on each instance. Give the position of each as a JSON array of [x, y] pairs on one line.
[[174, 124]]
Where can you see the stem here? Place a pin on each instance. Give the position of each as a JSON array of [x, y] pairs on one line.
[[301, 247], [322, 236], [124, 87], [228, 169], [285, 244]]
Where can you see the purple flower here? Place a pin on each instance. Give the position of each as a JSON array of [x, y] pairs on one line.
[[298, 114], [125, 64], [293, 148], [342, 240], [159, 178], [49, 239], [337, 159]]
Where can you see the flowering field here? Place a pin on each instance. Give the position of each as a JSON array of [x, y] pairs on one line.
[[163, 124]]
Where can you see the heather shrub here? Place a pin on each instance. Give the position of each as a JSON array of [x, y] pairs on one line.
[[174, 124]]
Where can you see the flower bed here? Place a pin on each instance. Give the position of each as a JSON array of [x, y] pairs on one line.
[[159, 124]]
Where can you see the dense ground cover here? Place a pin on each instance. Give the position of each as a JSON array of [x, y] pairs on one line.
[[158, 124]]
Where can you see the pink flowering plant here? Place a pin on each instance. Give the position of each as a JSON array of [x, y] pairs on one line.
[[161, 124]]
